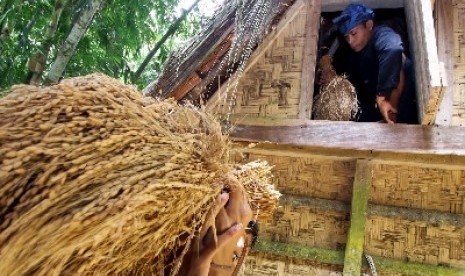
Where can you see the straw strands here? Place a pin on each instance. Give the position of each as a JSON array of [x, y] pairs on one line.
[[96, 179], [337, 100]]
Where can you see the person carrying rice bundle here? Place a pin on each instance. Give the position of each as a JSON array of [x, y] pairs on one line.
[[96, 179]]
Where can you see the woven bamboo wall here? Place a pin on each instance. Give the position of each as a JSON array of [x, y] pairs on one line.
[[316, 176], [306, 226], [459, 63], [415, 241], [260, 266], [313, 177], [257, 265], [271, 88], [305, 178], [425, 187]]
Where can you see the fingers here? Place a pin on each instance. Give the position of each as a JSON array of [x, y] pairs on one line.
[[213, 213], [390, 114], [223, 221], [210, 249], [236, 200], [387, 118], [228, 235], [387, 110]]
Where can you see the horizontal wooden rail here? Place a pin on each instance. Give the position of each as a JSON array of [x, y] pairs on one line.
[[403, 213], [276, 250]]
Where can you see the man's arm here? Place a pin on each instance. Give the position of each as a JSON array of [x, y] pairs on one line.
[[390, 76]]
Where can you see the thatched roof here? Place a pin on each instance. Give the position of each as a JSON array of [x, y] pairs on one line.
[[202, 63]]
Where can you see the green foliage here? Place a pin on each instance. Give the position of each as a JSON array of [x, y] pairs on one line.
[[21, 25], [116, 42]]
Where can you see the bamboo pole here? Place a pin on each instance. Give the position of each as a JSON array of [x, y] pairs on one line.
[[356, 237]]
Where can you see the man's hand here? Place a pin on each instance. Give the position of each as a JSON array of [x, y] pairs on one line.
[[237, 210], [386, 109], [326, 77], [228, 217]]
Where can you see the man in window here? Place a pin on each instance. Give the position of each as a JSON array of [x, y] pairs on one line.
[[379, 68]]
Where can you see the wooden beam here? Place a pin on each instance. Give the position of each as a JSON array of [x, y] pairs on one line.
[[315, 204], [356, 238], [363, 137], [202, 78], [312, 27], [181, 90], [428, 217], [445, 36], [339, 5], [217, 54], [425, 56], [301, 253]]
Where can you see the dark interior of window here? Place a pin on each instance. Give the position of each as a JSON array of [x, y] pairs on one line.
[[333, 43]]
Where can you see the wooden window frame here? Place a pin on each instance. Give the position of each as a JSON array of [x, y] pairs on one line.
[[423, 47]]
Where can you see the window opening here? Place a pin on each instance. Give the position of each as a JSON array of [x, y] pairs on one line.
[[344, 62]]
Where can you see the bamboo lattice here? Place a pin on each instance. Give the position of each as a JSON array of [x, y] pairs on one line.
[[415, 241]]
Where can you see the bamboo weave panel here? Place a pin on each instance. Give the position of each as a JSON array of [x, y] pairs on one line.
[[271, 88], [257, 265], [419, 187], [307, 176], [415, 241], [301, 225]]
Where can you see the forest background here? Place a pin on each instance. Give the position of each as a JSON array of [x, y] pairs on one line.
[[42, 41]]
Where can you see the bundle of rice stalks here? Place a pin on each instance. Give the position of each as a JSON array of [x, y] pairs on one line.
[[255, 176], [96, 179], [337, 99]]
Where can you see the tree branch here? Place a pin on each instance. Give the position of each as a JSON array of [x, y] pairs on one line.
[[171, 30]]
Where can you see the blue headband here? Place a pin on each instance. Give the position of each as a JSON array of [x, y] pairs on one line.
[[353, 15]]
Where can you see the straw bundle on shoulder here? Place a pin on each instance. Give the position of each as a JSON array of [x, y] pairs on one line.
[[337, 99], [96, 179]]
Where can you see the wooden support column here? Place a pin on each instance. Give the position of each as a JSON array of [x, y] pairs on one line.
[[422, 37], [312, 27], [445, 35], [356, 237]]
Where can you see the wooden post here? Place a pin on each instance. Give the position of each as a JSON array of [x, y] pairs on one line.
[[422, 37], [445, 35], [356, 237], [312, 27]]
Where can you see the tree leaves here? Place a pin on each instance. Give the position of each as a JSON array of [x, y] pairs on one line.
[[116, 42]]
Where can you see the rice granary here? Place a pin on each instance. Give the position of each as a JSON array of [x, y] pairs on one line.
[[358, 198], [97, 179]]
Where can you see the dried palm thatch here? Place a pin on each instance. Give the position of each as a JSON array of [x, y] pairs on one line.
[[337, 100], [96, 179]]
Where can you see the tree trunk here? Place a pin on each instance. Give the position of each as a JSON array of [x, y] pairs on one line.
[[51, 31], [69, 46]]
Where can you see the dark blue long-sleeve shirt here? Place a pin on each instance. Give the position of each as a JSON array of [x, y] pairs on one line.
[[376, 71]]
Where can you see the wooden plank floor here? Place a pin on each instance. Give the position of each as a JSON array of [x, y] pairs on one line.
[[373, 137]]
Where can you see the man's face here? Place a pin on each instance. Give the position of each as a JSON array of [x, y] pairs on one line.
[[358, 37]]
